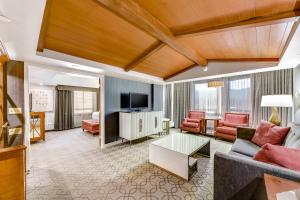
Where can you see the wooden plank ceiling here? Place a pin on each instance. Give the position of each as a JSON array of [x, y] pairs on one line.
[[165, 37]]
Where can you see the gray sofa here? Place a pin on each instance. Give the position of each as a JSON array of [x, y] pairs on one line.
[[238, 176]]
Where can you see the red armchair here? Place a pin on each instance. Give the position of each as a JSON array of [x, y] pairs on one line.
[[194, 122], [227, 129]]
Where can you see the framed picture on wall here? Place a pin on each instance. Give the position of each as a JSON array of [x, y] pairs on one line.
[[42, 100]]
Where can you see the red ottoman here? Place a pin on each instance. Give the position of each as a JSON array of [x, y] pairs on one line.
[[91, 126]]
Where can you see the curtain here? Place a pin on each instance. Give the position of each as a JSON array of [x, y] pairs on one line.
[[206, 98], [182, 101], [85, 103], [224, 96], [168, 100], [271, 83], [239, 94], [64, 110]]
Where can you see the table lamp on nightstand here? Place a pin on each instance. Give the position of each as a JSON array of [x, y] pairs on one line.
[[275, 101]]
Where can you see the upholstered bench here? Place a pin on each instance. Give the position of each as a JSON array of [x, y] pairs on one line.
[[92, 125]]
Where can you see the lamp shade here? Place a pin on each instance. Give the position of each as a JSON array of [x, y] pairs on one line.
[[215, 84], [277, 101]]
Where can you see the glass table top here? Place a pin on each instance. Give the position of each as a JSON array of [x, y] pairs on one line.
[[183, 143]]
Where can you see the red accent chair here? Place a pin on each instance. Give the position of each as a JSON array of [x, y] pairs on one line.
[[227, 129], [194, 122]]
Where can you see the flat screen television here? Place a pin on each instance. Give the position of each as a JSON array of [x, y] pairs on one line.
[[125, 101], [138, 101], [134, 101]]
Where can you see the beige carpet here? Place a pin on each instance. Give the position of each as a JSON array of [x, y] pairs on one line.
[[70, 165]]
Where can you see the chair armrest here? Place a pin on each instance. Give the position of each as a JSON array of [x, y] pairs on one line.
[[245, 133], [221, 123], [233, 174]]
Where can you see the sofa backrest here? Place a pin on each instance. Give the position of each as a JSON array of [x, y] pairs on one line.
[[292, 140], [237, 118], [196, 115]]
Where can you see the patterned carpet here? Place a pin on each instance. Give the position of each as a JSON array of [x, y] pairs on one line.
[[70, 165]]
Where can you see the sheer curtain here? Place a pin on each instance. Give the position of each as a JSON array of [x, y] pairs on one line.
[[207, 99], [240, 94], [85, 103]]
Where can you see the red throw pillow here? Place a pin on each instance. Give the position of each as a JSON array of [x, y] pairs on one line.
[[269, 133], [279, 155]]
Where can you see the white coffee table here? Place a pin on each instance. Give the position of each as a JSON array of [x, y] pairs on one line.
[[174, 153]]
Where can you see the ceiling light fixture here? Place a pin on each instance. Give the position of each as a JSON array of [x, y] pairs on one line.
[[4, 19], [86, 68], [82, 76]]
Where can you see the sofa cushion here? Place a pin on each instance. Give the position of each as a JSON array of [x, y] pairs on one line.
[[190, 124], [95, 116], [245, 147], [236, 118], [280, 156], [233, 124], [193, 120], [269, 133], [226, 130], [292, 140]]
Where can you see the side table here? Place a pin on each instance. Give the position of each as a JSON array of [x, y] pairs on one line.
[[166, 126], [276, 185], [216, 122]]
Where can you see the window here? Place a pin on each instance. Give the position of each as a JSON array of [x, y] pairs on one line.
[[84, 102], [240, 95], [207, 99]]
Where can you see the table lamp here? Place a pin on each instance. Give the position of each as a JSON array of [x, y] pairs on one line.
[[275, 101]]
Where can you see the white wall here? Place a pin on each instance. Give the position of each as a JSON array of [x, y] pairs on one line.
[[297, 94]]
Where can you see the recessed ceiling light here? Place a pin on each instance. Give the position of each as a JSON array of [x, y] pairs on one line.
[[4, 19], [86, 68]]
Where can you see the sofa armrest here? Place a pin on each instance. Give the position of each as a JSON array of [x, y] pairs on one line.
[[233, 174], [245, 133]]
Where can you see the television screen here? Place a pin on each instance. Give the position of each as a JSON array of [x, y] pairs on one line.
[[138, 100], [125, 101]]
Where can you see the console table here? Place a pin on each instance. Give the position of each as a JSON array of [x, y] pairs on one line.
[[37, 126], [135, 125]]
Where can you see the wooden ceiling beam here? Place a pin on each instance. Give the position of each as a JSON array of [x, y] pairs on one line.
[[179, 72], [142, 19], [249, 23], [147, 53]]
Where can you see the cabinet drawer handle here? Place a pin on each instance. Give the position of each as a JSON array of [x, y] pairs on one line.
[[140, 125]]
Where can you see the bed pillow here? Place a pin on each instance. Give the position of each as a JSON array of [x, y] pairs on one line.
[[269, 133], [280, 156]]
